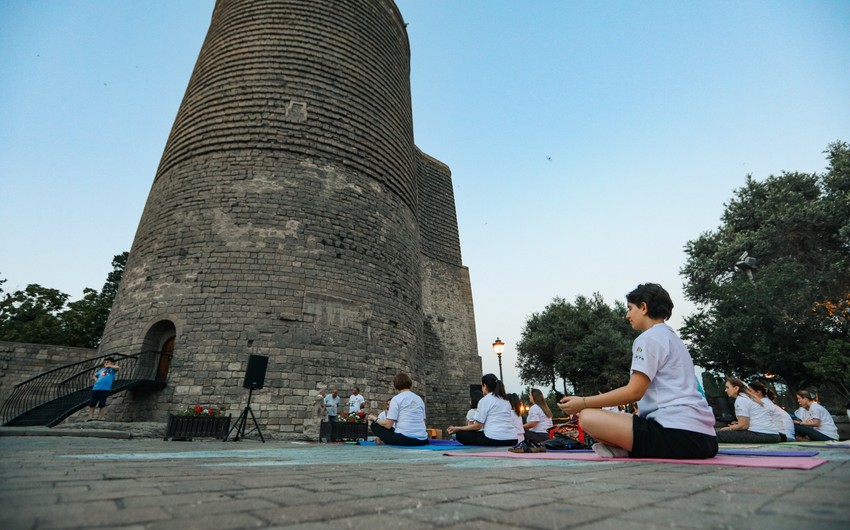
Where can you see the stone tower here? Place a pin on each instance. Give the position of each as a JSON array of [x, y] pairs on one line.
[[293, 217]]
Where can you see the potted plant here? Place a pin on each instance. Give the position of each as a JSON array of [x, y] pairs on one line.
[[197, 422], [347, 428]]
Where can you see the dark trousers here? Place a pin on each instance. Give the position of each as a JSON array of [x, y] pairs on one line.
[[390, 437], [811, 433], [538, 437], [478, 438]]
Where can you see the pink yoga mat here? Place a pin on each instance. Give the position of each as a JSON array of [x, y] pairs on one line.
[[721, 460]]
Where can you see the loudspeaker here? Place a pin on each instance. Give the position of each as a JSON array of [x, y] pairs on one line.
[[255, 374]]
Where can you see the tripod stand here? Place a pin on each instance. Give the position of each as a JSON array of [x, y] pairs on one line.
[[242, 420]]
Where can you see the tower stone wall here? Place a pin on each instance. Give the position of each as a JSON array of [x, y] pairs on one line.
[[449, 325], [286, 220]]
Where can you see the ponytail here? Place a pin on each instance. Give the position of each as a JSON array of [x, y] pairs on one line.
[[495, 386], [765, 390], [744, 389]]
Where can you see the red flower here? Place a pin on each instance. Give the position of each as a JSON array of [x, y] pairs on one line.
[[199, 409]]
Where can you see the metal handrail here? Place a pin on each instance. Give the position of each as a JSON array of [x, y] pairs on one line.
[[71, 378]]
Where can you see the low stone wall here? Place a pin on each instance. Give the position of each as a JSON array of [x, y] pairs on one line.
[[20, 361]]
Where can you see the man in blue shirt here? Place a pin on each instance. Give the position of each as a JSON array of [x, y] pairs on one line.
[[103, 378]]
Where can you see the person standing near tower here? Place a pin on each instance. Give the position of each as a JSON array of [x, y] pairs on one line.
[[103, 379], [356, 401], [332, 404]]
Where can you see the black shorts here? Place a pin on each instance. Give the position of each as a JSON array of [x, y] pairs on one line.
[[652, 440], [98, 397]]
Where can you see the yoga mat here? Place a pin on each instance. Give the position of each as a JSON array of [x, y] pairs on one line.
[[751, 452], [429, 447], [844, 444], [723, 460]]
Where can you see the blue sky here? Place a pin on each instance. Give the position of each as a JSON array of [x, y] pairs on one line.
[[588, 141]]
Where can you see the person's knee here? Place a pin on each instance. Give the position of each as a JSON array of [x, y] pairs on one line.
[[588, 419]]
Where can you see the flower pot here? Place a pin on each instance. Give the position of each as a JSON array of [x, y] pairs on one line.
[[343, 431], [188, 427]]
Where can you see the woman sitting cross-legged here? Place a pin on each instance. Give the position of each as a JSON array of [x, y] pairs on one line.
[[755, 423], [675, 420], [782, 420], [493, 423], [405, 421], [815, 422], [539, 418]]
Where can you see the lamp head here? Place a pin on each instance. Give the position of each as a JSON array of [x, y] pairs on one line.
[[498, 347]]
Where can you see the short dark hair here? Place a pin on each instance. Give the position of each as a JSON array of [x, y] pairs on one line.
[[110, 359], [657, 300], [402, 381]]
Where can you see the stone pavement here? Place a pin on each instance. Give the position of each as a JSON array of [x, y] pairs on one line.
[[113, 482]]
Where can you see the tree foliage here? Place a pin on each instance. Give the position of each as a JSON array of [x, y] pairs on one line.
[[782, 316], [585, 344], [39, 314]]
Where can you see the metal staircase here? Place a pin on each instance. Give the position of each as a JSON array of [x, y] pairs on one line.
[[49, 398]]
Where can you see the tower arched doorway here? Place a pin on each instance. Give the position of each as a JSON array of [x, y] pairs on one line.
[[161, 338]]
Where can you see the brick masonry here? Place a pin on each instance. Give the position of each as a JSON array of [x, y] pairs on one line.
[[292, 216]]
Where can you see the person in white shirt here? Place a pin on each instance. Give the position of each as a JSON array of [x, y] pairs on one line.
[[781, 418], [332, 405], [383, 414], [539, 419], [755, 419], [473, 406], [516, 415], [674, 419], [493, 424], [815, 421], [405, 421], [356, 401]]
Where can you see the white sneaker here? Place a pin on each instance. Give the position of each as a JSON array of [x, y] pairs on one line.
[[609, 451]]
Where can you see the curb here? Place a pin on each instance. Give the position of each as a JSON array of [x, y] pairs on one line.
[[80, 433]]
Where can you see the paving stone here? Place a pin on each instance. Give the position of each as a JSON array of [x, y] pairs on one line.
[[280, 484]]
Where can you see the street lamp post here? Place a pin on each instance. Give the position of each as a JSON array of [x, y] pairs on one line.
[[499, 348]]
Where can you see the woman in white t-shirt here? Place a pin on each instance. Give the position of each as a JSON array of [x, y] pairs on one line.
[[782, 420], [675, 420], [405, 421], [493, 423], [473, 406], [539, 419], [516, 415], [815, 421], [383, 414], [755, 424]]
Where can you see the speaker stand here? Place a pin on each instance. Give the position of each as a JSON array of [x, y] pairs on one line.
[[242, 420]]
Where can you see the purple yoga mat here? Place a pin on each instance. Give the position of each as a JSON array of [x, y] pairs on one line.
[[721, 460], [751, 452]]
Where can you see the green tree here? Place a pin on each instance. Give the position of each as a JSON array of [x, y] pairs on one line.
[[39, 315], [32, 315], [585, 344], [85, 319], [775, 309]]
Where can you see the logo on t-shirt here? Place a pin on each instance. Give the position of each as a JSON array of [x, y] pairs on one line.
[[637, 355]]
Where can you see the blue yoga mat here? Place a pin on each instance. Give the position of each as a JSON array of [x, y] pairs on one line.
[[433, 445]]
